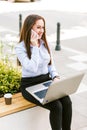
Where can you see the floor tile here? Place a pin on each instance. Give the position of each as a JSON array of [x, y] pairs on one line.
[[79, 66], [78, 121], [85, 128], [79, 58], [79, 104]]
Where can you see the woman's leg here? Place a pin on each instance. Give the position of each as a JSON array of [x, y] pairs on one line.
[[60, 111], [55, 116], [54, 107], [66, 113]]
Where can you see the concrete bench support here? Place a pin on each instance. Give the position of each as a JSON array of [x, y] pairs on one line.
[[35, 118], [18, 104], [23, 115]]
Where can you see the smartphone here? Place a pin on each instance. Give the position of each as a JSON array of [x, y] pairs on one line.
[[33, 32]]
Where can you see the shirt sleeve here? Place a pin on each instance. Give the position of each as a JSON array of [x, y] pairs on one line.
[[28, 64], [52, 71]]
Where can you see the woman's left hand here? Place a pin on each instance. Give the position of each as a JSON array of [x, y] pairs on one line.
[[56, 78]]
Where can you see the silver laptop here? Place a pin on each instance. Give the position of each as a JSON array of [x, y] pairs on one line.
[[49, 90]]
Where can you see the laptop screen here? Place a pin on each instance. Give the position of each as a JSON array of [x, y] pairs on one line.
[[41, 94], [47, 84]]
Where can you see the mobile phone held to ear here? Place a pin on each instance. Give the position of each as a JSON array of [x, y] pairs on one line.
[[34, 33]]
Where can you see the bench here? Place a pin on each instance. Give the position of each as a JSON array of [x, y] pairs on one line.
[[22, 114], [34, 117], [18, 104]]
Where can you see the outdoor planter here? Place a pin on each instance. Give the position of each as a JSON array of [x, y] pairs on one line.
[[9, 78]]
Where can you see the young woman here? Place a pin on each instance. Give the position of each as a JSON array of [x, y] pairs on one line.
[[34, 54]]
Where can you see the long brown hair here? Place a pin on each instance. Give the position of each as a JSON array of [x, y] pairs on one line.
[[25, 33]]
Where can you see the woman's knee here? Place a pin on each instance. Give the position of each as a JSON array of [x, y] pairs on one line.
[[55, 106], [66, 101]]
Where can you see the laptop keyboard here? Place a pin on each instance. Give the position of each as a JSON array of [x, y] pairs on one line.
[[41, 94], [47, 84]]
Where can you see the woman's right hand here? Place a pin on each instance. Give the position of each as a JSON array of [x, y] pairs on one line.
[[34, 38]]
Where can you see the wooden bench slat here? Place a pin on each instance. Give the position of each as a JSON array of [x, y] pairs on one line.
[[18, 104]]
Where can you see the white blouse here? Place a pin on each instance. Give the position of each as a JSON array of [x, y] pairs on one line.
[[38, 64]]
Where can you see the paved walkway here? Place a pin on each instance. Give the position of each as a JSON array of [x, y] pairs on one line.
[[68, 62]]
